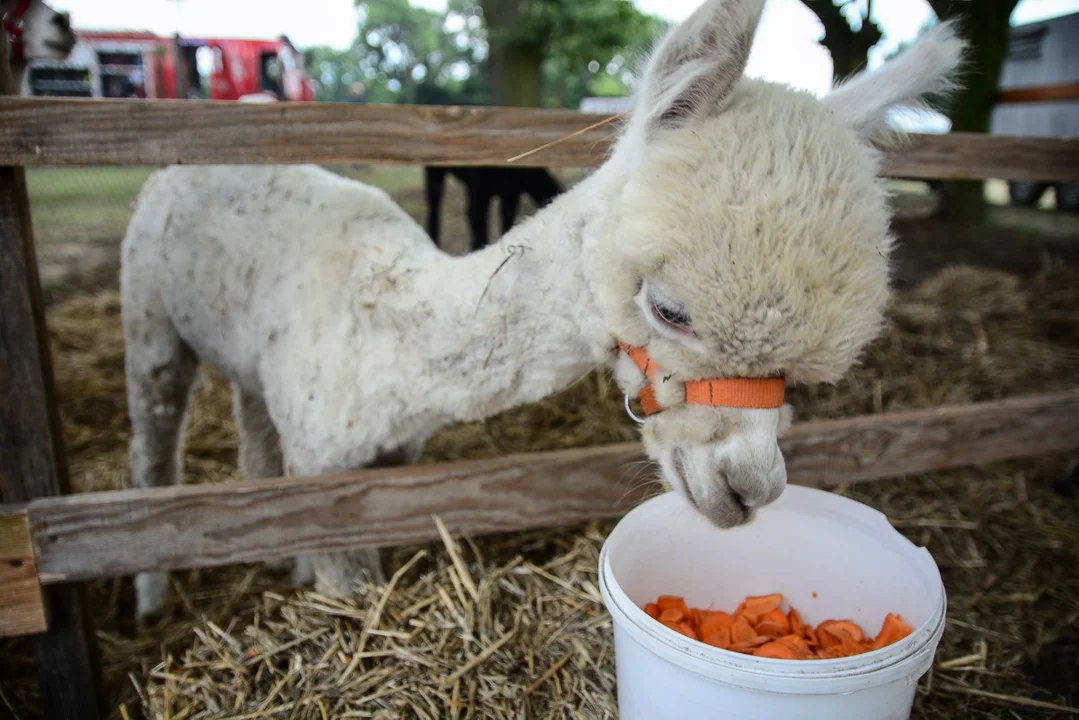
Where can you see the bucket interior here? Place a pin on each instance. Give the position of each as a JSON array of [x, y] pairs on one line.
[[831, 558]]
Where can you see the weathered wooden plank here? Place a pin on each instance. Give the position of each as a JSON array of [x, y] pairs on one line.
[[976, 156], [44, 131], [32, 460], [58, 131], [1044, 93], [123, 532], [22, 607]]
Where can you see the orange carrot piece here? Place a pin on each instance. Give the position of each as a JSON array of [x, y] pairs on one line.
[[681, 627], [837, 628], [795, 620], [742, 631], [666, 602], [779, 618], [748, 646], [759, 627], [719, 637], [761, 604], [776, 649], [769, 628], [671, 615], [798, 645], [712, 620], [892, 630]]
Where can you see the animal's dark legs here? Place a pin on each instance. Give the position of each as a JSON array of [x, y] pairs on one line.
[[508, 206], [543, 187], [479, 203], [434, 181]]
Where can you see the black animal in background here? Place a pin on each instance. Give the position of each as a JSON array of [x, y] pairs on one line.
[[484, 184]]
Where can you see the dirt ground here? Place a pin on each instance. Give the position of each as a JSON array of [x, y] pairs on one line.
[[1006, 543]]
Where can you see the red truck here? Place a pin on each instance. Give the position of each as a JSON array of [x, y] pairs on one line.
[[136, 64]]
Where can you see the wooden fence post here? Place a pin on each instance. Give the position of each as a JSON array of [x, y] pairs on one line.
[[32, 460]]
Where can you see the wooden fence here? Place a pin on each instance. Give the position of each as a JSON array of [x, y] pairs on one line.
[[51, 540]]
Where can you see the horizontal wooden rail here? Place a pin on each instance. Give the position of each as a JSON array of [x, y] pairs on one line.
[[1044, 93], [99, 535], [58, 131]]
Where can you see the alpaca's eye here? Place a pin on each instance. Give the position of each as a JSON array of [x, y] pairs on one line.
[[673, 317]]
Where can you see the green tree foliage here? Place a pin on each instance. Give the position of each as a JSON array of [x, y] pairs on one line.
[[554, 52], [543, 51]]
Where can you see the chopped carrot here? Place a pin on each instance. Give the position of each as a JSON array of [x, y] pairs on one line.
[[837, 629], [762, 604], [798, 645], [666, 602], [719, 637], [760, 627], [712, 620], [748, 646], [776, 649], [671, 615], [742, 631], [893, 630], [681, 627], [774, 624]]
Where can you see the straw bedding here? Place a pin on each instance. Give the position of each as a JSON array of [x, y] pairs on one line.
[[512, 626]]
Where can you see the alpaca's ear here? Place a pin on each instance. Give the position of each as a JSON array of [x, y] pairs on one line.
[[928, 67], [694, 68]]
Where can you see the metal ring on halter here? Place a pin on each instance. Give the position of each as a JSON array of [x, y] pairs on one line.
[[629, 411]]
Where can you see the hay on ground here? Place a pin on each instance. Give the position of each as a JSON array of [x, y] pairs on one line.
[[534, 640]]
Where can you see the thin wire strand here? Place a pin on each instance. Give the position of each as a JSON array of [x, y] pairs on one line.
[[593, 126]]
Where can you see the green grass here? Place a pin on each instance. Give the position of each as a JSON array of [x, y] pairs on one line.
[[94, 204], [82, 204]]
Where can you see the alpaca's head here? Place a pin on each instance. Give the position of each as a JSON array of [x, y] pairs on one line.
[[749, 237], [45, 33]]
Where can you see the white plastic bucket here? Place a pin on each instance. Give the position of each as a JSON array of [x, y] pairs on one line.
[[830, 556]]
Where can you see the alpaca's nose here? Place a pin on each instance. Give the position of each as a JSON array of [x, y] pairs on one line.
[[753, 477], [62, 21]]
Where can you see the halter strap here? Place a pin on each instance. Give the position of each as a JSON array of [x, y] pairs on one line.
[[12, 23], [753, 393]]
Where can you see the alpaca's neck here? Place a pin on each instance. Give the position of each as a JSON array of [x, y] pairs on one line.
[[518, 320]]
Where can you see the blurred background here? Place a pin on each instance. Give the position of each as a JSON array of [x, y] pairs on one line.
[[575, 54]]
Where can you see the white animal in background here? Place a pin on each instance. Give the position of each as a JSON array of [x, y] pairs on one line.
[[738, 229], [34, 32]]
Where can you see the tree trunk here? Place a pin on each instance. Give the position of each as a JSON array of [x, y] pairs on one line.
[[848, 47], [987, 30], [516, 80]]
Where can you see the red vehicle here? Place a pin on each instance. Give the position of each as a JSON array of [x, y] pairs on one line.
[[131, 64]]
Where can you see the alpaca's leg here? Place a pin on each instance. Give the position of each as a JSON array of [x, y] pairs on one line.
[[434, 181], [161, 371], [479, 205], [508, 203], [260, 447], [337, 573]]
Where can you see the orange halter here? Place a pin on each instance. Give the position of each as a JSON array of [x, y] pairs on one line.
[[757, 393]]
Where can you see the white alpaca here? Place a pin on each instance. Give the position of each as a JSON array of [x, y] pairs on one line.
[[34, 32], [738, 229]]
